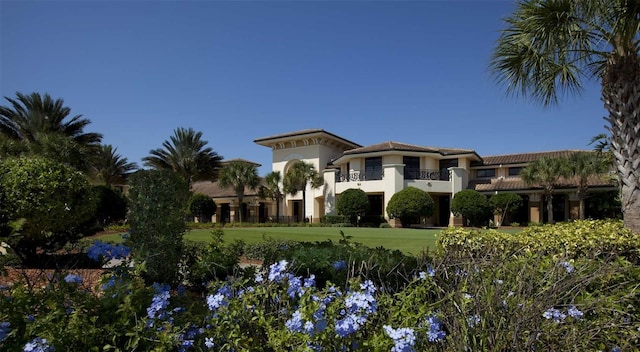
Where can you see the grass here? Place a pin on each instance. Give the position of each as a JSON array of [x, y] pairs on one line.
[[406, 240], [410, 241]]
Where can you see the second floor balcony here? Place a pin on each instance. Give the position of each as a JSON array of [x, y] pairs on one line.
[[358, 176], [409, 174]]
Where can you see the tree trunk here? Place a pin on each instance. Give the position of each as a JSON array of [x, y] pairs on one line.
[[581, 212], [240, 208], [550, 209], [621, 96]]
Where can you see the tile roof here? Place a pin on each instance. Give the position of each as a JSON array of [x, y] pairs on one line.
[[390, 145], [524, 157], [516, 184], [213, 189], [302, 133]]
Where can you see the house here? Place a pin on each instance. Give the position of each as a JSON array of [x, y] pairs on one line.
[[383, 169]]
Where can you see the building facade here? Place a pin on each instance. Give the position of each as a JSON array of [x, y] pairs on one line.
[[383, 169]]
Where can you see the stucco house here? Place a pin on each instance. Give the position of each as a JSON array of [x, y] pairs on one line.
[[383, 169]]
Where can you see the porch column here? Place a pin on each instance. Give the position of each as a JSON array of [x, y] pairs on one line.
[[329, 191], [459, 178], [393, 183], [535, 205], [573, 207]]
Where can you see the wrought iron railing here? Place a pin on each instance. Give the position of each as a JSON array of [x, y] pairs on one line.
[[427, 174], [356, 176]]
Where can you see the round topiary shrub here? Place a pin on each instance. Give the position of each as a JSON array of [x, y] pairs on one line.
[[353, 204], [473, 206], [505, 205], [54, 200], [202, 207], [409, 205]]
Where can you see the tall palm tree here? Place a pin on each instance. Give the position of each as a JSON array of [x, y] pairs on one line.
[[271, 189], [550, 46], [41, 125], [239, 175], [544, 173], [296, 179], [109, 167], [186, 154], [582, 166]]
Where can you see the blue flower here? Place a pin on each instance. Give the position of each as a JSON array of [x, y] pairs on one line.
[[295, 286], [73, 279], [38, 345], [216, 301], [294, 324], [100, 250], [277, 271], [310, 281], [208, 342], [339, 265], [159, 302], [435, 332], [403, 338], [5, 327], [575, 312], [567, 266], [473, 321], [554, 314]]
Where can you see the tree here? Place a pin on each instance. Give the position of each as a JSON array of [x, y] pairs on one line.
[[239, 175], [550, 46], [580, 167], [111, 168], [353, 203], [473, 206], [111, 205], [157, 208], [409, 205], [185, 153], [54, 199], [271, 189], [296, 179], [202, 206], [544, 173], [37, 125], [505, 205]]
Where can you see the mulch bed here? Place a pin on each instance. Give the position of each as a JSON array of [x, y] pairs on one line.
[[41, 278]]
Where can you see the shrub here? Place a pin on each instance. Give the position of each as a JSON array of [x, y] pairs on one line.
[[111, 207], [206, 262], [54, 199], [353, 204], [202, 207], [473, 206], [158, 202], [409, 205], [505, 205], [333, 219]]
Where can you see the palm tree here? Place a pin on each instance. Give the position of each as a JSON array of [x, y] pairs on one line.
[[550, 46], [581, 166], [185, 153], [271, 189], [296, 179], [41, 125], [109, 167], [544, 173], [239, 175]]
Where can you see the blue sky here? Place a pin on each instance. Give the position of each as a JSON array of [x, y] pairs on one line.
[[369, 71]]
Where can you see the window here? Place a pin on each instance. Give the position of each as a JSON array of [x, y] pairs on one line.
[[515, 171], [373, 168], [487, 173], [411, 167], [444, 165]]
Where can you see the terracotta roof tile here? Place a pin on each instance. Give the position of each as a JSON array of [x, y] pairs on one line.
[[213, 190], [524, 157], [516, 183], [240, 160], [390, 145], [301, 133]]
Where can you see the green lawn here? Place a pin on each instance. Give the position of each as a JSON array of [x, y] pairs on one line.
[[411, 241], [407, 240]]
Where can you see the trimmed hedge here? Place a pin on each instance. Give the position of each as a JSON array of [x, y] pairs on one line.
[[583, 238]]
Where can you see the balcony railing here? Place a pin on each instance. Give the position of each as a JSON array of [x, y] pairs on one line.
[[442, 175], [356, 176]]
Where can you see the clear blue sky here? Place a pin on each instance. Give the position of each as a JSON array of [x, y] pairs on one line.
[[369, 71]]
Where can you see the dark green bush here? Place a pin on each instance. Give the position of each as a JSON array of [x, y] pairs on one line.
[[334, 219], [353, 204], [215, 260], [202, 207], [54, 199], [111, 206], [473, 206], [505, 205], [409, 205], [158, 199]]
